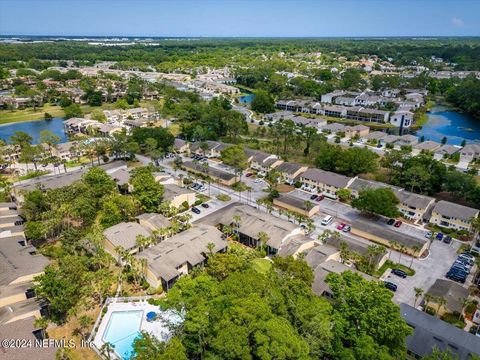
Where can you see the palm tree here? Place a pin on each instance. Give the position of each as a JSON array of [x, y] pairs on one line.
[[427, 298], [324, 235], [84, 322], [465, 302], [262, 237], [106, 349], [344, 251], [441, 301], [415, 249], [418, 293], [210, 247]]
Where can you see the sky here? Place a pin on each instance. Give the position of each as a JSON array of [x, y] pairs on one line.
[[241, 18]]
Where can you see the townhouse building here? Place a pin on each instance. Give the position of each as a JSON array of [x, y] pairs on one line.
[[453, 216]]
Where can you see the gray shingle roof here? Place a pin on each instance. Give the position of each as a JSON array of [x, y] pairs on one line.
[[125, 234], [326, 177], [450, 291], [289, 168], [453, 210], [189, 246], [16, 260], [416, 200], [430, 332]]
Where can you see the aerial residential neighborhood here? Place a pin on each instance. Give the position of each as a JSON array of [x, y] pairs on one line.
[[199, 180]]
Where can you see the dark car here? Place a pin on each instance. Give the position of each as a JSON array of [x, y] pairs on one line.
[[320, 198], [390, 286], [196, 210], [391, 222], [447, 239], [205, 205], [456, 277], [313, 197], [248, 174], [439, 236], [400, 273], [398, 224]]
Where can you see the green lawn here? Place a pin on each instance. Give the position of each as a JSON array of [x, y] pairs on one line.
[[390, 264], [8, 116], [261, 265]]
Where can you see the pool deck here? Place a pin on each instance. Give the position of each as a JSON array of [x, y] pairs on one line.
[[157, 328]]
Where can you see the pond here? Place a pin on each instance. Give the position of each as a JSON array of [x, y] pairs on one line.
[[246, 98], [454, 125], [33, 128]]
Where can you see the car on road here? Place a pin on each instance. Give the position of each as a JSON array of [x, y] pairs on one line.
[[391, 221], [319, 198], [313, 197], [196, 210], [439, 236], [390, 286], [257, 180], [346, 228], [341, 226], [429, 234], [205, 205], [447, 239], [248, 174], [400, 273], [398, 224]]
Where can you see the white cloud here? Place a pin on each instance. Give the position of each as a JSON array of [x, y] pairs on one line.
[[457, 22]]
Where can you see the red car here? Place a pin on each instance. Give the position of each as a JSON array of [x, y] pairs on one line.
[[248, 174], [320, 198], [341, 226], [398, 224]]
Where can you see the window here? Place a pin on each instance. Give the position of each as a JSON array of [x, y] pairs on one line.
[[32, 252], [22, 242]]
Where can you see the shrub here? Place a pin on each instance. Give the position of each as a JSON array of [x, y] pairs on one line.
[[223, 197]]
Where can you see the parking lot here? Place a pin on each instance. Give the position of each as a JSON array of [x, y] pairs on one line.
[[348, 214], [434, 267]]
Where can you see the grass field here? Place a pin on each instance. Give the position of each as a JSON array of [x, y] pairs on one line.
[[261, 265], [12, 116]]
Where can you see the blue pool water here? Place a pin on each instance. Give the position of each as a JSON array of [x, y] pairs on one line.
[[122, 329]]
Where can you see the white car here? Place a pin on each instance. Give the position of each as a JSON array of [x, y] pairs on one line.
[[257, 180]]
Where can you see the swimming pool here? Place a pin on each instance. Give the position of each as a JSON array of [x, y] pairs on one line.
[[122, 329]]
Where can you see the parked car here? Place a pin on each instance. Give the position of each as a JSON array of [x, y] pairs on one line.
[[341, 226], [447, 239], [439, 236], [429, 234], [257, 180], [400, 273], [390, 286], [391, 222], [398, 224], [319, 198], [313, 197], [456, 277], [327, 220], [205, 205], [346, 228], [248, 174], [196, 210]]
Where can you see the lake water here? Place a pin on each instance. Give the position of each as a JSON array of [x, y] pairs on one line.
[[246, 99], [33, 128], [454, 125]]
